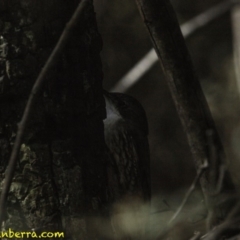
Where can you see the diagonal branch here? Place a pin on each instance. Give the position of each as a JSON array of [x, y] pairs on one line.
[[187, 28], [193, 110], [67, 33], [190, 191]]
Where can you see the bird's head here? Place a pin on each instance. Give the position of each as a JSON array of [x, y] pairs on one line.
[[119, 105]]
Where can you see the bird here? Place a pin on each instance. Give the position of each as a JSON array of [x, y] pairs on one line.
[[126, 137]]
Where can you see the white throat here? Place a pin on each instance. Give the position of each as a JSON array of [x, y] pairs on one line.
[[112, 113]]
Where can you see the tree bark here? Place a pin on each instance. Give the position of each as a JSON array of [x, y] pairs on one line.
[[194, 113], [60, 181]]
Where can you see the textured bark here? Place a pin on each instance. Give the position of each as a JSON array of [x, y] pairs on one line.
[[60, 181], [189, 99]]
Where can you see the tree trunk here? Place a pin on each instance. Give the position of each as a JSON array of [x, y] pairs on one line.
[[60, 182]]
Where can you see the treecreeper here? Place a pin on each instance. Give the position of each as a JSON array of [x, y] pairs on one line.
[[126, 131]]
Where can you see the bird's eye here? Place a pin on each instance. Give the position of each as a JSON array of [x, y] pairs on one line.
[[124, 104]]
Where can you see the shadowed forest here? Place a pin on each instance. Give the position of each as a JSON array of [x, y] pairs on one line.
[[55, 58]]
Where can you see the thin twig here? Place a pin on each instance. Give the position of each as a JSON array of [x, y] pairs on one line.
[[235, 15], [234, 238], [188, 28], [216, 173], [190, 190], [219, 184], [196, 236], [228, 228], [213, 159], [53, 58]]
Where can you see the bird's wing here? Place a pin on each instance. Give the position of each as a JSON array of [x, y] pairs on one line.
[[129, 181], [129, 152]]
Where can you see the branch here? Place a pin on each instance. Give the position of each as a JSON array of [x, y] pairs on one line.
[[190, 190], [196, 236], [55, 55], [228, 228], [188, 28], [235, 14], [187, 94]]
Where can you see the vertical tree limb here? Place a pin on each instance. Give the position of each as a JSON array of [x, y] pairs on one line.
[[60, 177], [193, 110]]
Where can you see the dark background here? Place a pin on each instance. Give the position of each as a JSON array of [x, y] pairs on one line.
[[125, 41]]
